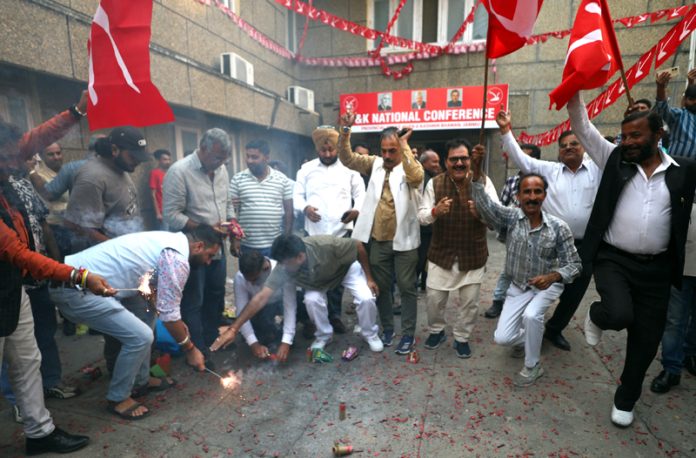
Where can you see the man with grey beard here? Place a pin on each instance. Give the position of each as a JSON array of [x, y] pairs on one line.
[[194, 192]]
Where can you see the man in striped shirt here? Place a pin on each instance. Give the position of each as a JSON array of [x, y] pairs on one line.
[[262, 197], [681, 121]]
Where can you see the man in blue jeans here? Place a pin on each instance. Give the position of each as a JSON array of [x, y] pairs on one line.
[[679, 338]]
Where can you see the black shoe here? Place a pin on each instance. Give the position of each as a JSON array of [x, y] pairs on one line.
[[557, 339], [57, 442], [690, 364], [663, 382], [434, 340], [494, 310]]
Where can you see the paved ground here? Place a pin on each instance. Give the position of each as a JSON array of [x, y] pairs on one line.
[[440, 407]]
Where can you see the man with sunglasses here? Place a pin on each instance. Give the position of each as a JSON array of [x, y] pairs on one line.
[[573, 183], [458, 249]]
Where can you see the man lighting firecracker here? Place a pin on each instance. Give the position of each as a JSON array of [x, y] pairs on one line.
[[124, 260], [317, 264]]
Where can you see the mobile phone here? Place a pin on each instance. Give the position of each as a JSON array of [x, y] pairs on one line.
[[401, 132], [345, 215], [673, 72]]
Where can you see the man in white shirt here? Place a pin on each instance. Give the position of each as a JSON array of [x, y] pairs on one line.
[[329, 195], [634, 239], [262, 330], [573, 183]]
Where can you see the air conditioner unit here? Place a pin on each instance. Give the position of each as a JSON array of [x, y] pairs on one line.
[[237, 67], [302, 97]]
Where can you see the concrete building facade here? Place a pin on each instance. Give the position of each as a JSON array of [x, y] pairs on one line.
[[43, 68]]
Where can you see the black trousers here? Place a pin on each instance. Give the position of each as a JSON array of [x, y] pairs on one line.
[[635, 293], [569, 301]]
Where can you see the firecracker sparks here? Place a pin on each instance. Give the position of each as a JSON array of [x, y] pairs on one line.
[[144, 286], [230, 382]]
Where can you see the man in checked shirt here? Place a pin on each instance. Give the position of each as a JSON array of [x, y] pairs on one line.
[[541, 258]]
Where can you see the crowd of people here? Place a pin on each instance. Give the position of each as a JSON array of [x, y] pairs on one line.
[[72, 238]]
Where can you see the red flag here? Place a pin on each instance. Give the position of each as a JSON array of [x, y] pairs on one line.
[[120, 89], [510, 24], [593, 52]]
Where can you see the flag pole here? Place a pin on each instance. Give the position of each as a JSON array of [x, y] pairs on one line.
[[625, 83], [482, 134]]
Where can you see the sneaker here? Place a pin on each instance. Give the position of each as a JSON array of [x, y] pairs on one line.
[[621, 418], [463, 349], [528, 376], [61, 392], [434, 340], [517, 352], [375, 343], [17, 414], [405, 346], [320, 344], [592, 332], [388, 338]]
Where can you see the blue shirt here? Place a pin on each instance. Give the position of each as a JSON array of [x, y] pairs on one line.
[[65, 178], [682, 129]]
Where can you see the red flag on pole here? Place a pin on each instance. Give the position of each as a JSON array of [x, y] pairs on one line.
[[593, 52], [510, 24], [120, 89]]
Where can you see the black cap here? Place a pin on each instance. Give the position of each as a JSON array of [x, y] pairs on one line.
[[131, 139]]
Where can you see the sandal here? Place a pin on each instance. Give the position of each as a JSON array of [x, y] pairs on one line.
[[164, 385], [126, 414]]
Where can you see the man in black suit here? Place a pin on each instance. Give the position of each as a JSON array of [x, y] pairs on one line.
[[634, 240]]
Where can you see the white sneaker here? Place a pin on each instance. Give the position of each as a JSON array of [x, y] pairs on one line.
[[375, 343], [621, 418], [592, 331], [320, 344]]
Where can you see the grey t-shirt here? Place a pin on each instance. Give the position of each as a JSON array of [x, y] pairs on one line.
[[104, 197]]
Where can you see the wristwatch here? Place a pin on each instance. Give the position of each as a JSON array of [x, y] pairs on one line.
[[76, 112], [345, 129]]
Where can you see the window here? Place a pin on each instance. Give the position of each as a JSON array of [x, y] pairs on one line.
[[428, 21], [187, 138], [14, 108], [291, 25]]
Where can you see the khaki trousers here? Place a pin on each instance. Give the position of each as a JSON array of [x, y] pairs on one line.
[[463, 307]]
